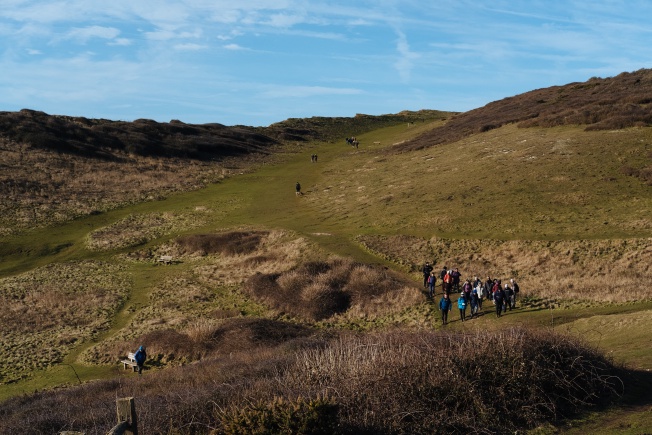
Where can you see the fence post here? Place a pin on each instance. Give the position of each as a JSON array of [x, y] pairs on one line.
[[127, 421]]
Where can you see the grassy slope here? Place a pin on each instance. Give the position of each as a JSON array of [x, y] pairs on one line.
[[447, 191]]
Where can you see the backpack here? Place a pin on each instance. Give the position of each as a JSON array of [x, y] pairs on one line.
[[515, 288]]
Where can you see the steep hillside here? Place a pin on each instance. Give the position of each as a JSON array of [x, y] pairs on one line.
[[597, 104]]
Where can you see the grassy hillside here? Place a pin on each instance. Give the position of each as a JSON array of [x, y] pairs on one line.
[[267, 285]]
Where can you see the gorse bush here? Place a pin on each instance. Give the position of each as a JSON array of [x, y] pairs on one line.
[[302, 416], [385, 383], [456, 383]]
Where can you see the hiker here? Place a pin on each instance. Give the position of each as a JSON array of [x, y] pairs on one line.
[[509, 295], [499, 299], [426, 269], [515, 289], [456, 275], [461, 305], [475, 303], [479, 289], [466, 288], [140, 356], [448, 281], [432, 280], [445, 305], [488, 288], [298, 189], [442, 275]]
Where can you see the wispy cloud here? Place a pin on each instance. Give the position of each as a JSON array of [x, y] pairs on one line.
[[83, 34], [233, 47], [307, 91]]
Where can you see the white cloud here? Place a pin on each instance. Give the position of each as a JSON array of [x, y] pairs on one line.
[[83, 34], [406, 59], [189, 47], [233, 47]]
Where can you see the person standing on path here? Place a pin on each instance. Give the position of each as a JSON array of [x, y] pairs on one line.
[[445, 305], [461, 305]]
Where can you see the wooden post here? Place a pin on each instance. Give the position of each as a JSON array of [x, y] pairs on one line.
[[127, 422]]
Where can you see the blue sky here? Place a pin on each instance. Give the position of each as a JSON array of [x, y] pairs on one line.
[[256, 62]]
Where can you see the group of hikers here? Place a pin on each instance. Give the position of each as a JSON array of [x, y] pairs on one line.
[[471, 293]]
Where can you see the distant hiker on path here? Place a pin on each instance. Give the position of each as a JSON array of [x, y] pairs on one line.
[[140, 356], [298, 189]]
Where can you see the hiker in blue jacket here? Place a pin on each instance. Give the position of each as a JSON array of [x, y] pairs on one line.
[[445, 305], [461, 304], [140, 356]]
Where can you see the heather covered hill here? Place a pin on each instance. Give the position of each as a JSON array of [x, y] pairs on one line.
[[597, 104], [101, 138]]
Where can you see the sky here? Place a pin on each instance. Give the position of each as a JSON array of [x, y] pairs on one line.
[[256, 62]]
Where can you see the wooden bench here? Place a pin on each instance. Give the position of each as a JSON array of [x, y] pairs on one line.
[[165, 259], [130, 361]]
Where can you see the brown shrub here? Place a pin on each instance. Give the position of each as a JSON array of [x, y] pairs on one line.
[[320, 290], [390, 383], [231, 243]]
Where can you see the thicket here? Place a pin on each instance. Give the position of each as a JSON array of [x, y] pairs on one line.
[[389, 383], [316, 291]]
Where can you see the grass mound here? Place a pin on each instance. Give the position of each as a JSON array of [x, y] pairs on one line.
[[316, 291], [399, 382], [230, 243]]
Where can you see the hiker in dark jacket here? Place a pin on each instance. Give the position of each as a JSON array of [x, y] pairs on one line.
[[488, 285], [509, 295], [140, 356], [516, 289], [499, 300], [426, 269], [445, 305]]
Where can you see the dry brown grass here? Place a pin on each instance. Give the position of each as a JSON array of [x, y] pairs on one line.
[[206, 293], [612, 271], [338, 288], [49, 311], [41, 187]]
